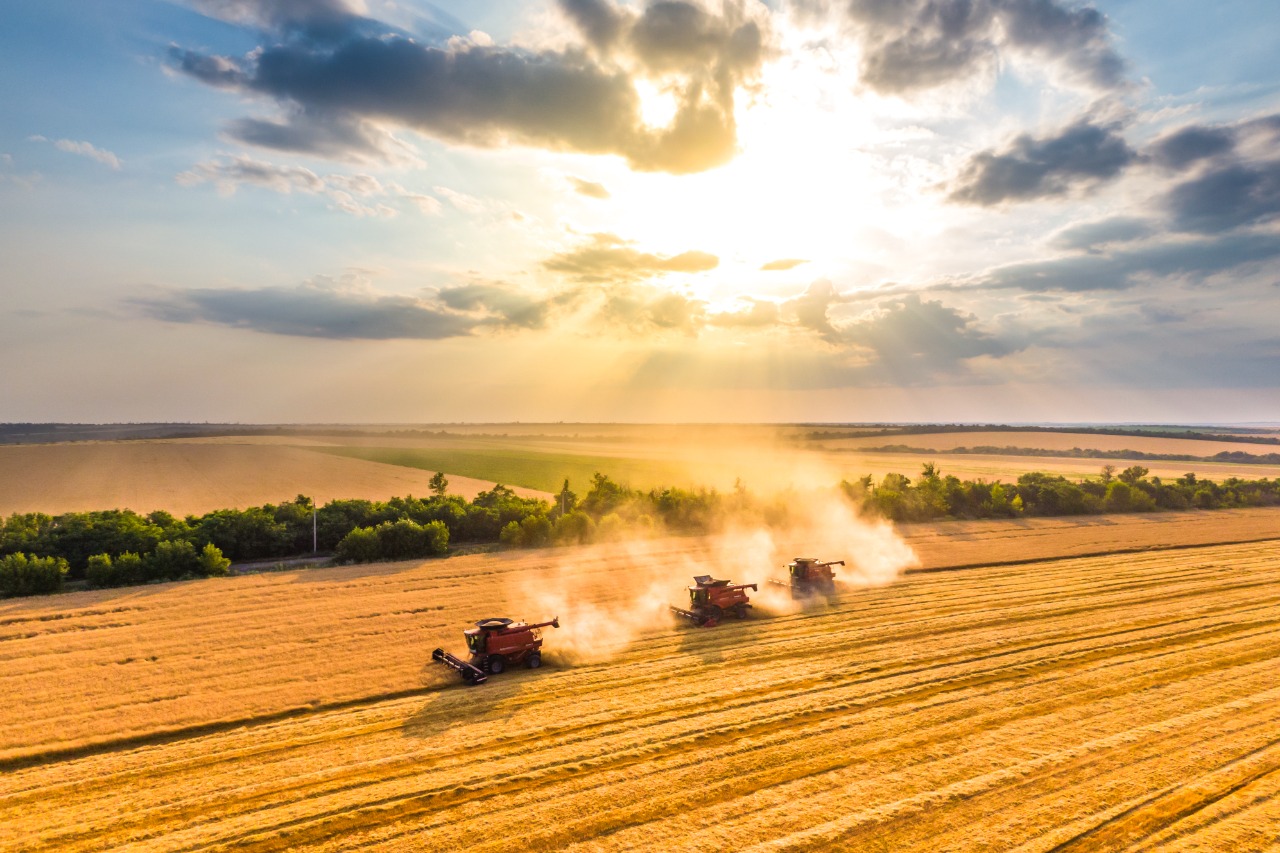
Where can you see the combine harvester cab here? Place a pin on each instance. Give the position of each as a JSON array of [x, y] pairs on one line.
[[496, 645], [710, 599], [809, 576]]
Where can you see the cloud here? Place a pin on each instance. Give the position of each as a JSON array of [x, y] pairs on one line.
[[343, 191], [1119, 269], [1231, 175], [1089, 236], [783, 264], [314, 310], [910, 335], [336, 137], [912, 45], [591, 189], [336, 74], [758, 313], [608, 257], [643, 310], [505, 306], [228, 175], [810, 309], [1189, 144], [83, 149], [1227, 197], [1080, 155]]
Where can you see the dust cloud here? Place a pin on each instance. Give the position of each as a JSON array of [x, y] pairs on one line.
[[608, 597]]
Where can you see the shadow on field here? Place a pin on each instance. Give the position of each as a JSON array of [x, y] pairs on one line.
[[453, 704], [705, 643]]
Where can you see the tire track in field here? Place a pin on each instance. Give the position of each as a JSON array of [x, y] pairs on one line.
[[478, 788], [1177, 802], [1182, 623]]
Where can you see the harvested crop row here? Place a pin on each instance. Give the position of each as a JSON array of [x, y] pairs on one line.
[[1089, 703]]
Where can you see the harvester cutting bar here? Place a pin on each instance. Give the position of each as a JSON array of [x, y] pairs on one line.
[[469, 673], [699, 619]]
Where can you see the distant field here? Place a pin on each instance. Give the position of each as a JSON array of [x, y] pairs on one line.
[[1008, 468], [1054, 441], [201, 474], [545, 471], [194, 477], [1100, 703]]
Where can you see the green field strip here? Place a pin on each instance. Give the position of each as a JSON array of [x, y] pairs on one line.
[[531, 469]]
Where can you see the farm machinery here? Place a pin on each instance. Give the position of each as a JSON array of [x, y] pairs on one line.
[[710, 599], [495, 645], [808, 576]]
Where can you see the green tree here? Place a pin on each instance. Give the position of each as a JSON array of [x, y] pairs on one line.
[[360, 545], [566, 501], [172, 561], [439, 485], [101, 572], [23, 575], [1133, 474], [212, 563], [576, 528]]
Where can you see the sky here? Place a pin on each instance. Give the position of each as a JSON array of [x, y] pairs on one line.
[[678, 211]]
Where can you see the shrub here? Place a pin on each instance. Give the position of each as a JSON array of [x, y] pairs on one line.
[[23, 575], [359, 546], [212, 563], [394, 540], [574, 528], [171, 561], [101, 572]]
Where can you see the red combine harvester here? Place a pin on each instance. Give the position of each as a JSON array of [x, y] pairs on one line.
[[495, 645], [808, 576], [710, 599]]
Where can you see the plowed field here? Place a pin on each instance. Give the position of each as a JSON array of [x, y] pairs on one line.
[[1124, 701]]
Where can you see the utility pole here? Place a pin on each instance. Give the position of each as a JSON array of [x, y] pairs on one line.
[[315, 547]]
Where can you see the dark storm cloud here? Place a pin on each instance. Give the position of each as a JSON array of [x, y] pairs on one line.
[[309, 311], [339, 69], [910, 45], [608, 257], [1080, 155]]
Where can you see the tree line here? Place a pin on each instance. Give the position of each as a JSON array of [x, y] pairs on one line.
[[933, 496], [121, 547]]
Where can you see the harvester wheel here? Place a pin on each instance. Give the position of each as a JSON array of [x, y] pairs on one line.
[[497, 664], [535, 660], [740, 610]]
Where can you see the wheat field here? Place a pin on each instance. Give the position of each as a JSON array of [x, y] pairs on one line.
[[195, 476], [1118, 701]]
